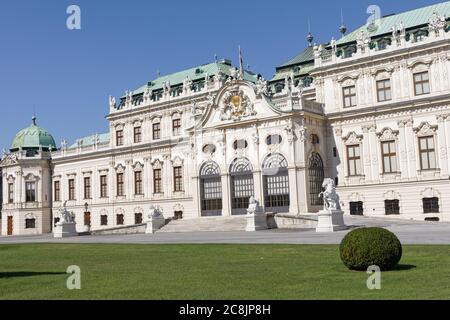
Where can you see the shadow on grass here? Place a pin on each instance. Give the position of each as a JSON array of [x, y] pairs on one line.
[[23, 274], [404, 267]]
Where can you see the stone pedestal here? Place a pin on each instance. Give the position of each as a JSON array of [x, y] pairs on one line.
[[65, 229], [256, 222], [331, 221], [154, 224]]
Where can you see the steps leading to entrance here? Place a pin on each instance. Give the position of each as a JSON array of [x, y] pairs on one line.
[[206, 224]]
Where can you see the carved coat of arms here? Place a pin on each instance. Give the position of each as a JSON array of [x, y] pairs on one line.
[[236, 105]]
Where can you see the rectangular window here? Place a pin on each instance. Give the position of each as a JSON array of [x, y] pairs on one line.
[[119, 137], [157, 181], [137, 134], [430, 205], [137, 218], [104, 220], [392, 207], [57, 191], [103, 186], [176, 126], [384, 92], [334, 152], [30, 188], [354, 160], [138, 183], [357, 208], [389, 155], [421, 83], [10, 192], [119, 220], [30, 223], [120, 190], [87, 188], [427, 153], [178, 178], [156, 131], [71, 189], [349, 94]]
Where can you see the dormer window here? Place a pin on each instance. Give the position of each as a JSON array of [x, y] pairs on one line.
[[383, 44], [420, 35]]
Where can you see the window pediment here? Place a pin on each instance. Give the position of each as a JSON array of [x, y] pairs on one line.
[[352, 138], [425, 129], [138, 166], [387, 134], [120, 168]]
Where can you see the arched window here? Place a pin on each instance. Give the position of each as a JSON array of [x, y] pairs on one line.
[[210, 190], [276, 183], [316, 177], [242, 188]]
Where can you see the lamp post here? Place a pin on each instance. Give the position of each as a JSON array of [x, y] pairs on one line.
[[87, 217]]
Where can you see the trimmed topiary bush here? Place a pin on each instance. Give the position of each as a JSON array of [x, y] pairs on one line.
[[362, 248]]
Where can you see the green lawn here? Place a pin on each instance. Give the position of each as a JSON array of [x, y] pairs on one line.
[[214, 272]]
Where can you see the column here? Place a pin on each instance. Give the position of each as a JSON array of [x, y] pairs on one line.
[[226, 201], [365, 154], [293, 191], [403, 152], [258, 186], [196, 195], [374, 153], [442, 145], [146, 177], [411, 148]]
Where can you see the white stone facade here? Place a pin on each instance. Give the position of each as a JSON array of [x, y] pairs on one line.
[[377, 122]]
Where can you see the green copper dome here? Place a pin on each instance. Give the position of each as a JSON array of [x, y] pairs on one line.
[[33, 137]]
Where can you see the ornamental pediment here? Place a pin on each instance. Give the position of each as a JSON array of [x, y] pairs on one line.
[[236, 101], [9, 160]]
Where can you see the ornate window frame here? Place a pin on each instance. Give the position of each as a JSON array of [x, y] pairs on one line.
[[425, 129], [353, 139], [386, 135]]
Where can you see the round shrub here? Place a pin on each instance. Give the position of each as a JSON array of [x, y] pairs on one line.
[[365, 247]]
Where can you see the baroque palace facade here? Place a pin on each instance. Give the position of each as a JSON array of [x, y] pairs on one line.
[[370, 110]]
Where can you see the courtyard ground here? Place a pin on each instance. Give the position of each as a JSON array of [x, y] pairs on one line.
[[409, 232], [110, 271]]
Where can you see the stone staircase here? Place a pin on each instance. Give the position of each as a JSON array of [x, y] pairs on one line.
[[206, 224]]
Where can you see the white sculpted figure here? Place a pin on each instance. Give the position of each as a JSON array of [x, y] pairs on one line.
[[262, 87], [330, 197], [112, 102], [147, 94], [154, 212], [253, 205], [67, 217]]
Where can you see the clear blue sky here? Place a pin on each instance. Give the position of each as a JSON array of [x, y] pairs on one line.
[[67, 76]]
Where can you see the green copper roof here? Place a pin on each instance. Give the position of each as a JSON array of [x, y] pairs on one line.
[[33, 137], [410, 19], [89, 141], [303, 71], [194, 74], [306, 56]]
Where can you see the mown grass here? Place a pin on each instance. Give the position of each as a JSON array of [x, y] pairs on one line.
[[263, 272]]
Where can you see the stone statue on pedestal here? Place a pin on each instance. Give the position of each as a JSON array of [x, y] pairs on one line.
[[67, 226], [330, 197], [256, 218], [331, 218], [155, 219]]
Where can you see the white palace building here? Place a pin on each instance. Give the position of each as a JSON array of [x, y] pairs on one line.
[[370, 110]]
